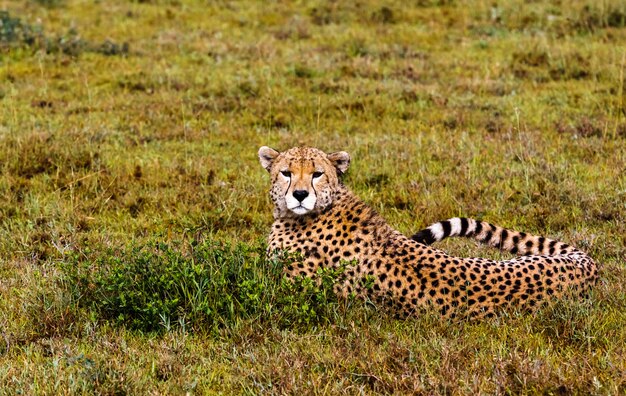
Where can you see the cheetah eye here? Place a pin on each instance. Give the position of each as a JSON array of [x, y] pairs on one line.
[[286, 173], [317, 174]]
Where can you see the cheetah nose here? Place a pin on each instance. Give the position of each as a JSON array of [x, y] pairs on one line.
[[300, 195]]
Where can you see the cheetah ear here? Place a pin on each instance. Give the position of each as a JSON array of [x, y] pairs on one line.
[[267, 156], [340, 160]]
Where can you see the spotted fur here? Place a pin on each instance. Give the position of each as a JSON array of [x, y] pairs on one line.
[[401, 273]]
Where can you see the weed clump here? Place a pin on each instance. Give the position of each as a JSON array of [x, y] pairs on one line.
[[51, 3], [324, 15], [384, 15], [540, 66], [591, 18], [213, 286], [15, 33]]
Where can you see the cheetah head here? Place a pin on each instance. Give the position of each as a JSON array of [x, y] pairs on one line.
[[304, 180]]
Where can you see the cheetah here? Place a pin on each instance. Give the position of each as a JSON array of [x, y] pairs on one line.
[[318, 218]]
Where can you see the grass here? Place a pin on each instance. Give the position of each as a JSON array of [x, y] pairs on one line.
[[128, 139]]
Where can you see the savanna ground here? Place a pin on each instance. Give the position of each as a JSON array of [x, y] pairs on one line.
[[133, 210]]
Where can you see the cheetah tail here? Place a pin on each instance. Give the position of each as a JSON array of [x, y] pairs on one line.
[[511, 241]]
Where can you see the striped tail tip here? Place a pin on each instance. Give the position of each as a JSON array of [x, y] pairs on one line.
[[425, 236]]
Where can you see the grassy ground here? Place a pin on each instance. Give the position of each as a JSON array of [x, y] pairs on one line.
[[128, 125]]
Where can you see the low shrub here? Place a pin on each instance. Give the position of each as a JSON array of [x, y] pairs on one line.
[[209, 287], [16, 34]]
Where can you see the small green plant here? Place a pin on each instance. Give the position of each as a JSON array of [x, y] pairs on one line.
[[213, 286], [51, 3], [15, 33]]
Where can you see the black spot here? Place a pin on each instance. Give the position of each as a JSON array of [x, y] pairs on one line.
[[541, 242], [503, 235]]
